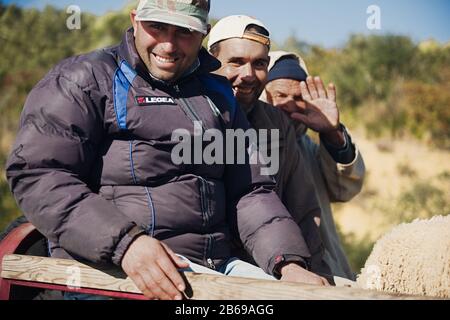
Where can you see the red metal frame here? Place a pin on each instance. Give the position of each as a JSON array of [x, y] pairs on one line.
[[18, 241], [113, 294]]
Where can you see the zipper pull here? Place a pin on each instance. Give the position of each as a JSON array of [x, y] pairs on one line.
[[211, 264], [177, 88], [213, 107]]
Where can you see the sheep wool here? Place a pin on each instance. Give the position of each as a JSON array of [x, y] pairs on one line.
[[413, 258]]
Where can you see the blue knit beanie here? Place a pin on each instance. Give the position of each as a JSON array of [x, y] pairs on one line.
[[287, 68]]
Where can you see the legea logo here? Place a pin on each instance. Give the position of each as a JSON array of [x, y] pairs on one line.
[[148, 101]]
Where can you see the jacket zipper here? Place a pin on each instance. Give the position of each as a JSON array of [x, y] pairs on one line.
[[211, 264], [210, 261], [188, 109], [213, 107], [204, 190], [151, 229], [204, 200], [190, 112]]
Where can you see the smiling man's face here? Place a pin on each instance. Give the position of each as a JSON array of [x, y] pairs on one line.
[[244, 64], [168, 51]]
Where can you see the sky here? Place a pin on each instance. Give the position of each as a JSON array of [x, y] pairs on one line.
[[324, 22]]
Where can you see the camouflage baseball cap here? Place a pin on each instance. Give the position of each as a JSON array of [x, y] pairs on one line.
[[191, 14]]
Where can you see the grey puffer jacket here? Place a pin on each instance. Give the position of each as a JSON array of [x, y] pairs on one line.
[[92, 159]]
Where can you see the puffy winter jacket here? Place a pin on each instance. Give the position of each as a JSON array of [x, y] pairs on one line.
[[294, 183], [92, 159]]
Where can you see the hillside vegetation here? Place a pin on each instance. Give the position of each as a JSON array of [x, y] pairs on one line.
[[394, 95]]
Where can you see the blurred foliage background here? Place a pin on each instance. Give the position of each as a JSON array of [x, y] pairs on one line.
[[393, 93]]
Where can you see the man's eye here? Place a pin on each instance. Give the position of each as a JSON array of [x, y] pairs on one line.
[[235, 63], [156, 26], [185, 32], [261, 64]]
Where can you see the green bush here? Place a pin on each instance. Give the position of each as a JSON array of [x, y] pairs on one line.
[[8, 208], [423, 200], [357, 250]]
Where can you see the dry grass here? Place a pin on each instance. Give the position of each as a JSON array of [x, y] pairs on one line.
[[403, 175]]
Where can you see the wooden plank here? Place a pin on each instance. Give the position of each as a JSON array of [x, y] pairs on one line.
[[200, 286]]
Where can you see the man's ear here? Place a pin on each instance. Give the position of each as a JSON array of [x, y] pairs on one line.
[[133, 20], [267, 96], [208, 30]]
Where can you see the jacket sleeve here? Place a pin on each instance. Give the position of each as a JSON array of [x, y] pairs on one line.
[[299, 194], [343, 181], [50, 164], [256, 214], [298, 191]]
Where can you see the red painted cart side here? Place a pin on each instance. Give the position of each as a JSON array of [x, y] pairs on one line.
[[18, 241]]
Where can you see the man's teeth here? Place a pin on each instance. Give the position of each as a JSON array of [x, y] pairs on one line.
[[164, 60], [243, 90]]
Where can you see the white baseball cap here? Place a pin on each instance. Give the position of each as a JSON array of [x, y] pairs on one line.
[[234, 27]]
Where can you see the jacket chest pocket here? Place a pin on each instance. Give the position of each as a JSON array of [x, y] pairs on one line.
[[156, 122]]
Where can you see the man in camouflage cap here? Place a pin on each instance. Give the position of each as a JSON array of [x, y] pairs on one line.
[[96, 139], [151, 22]]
